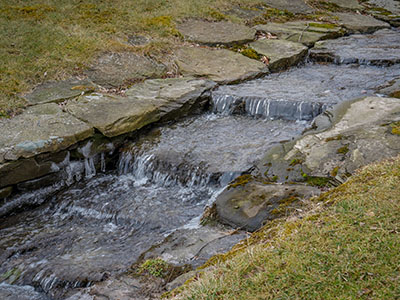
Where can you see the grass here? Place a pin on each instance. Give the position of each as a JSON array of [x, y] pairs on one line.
[[44, 40], [345, 247]]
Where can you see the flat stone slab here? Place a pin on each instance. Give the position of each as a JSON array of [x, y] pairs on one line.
[[350, 136], [380, 48], [222, 66], [392, 6], [360, 23], [144, 103], [350, 4], [250, 206], [293, 6], [58, 91], [303, 32], [41, 128], [216, 33], [281, 53], [113, 70]]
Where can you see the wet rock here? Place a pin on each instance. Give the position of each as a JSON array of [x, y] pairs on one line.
[[350, 4], [303, 32], [145, 103], [14, 292], [5, 192], [58, 91], [281, 54], [381, 48], [222, 66], [41, 128], [216, 33], [194, 246], [113, 70], [26, 169], [392, 89], [360, 23], [294, 6], [250, 206], [353, 135]]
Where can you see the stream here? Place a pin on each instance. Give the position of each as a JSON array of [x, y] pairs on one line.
[[99, 225]]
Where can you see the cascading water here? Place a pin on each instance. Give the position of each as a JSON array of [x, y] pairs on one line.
[[103, 221]]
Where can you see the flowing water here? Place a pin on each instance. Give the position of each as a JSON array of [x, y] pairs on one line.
[[98, 226]]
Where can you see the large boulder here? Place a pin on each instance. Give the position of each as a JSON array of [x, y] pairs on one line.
[[222, 66], [216, 33], [307, 33], [380, 48], [145, 103], [113, 70], [250, 205], [281, 54], [348, 137], [41, 128]]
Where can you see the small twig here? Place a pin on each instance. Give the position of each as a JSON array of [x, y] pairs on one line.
[[304, 30]]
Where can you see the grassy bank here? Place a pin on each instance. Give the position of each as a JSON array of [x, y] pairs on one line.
[[345, 248], [53, 39]]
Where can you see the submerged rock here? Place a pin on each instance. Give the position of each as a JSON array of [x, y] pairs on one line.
[[360, 23], [222, 66], [216, 33], [250, 205], [282, 54], [58, 91], [303, 32], [144, 104], [113, 70], [41, 128], [381, 48]]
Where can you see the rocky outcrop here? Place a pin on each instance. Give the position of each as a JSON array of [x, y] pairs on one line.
[[250, 205], [281, 54], [307, 33], [216, 33], [42, 128], [381, 48], [222, 66], [145, 103], [355, 23], [58, 91], [349, 137], [113, 70]]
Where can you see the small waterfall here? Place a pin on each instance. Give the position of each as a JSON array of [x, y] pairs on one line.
[[261, 107], [146, 167], [90, 169]]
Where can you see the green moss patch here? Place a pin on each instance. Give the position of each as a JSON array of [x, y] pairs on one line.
[[395, 128]]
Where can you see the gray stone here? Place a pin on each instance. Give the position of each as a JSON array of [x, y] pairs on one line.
[[5, 192], [15, 292], [194, 246], [177, 282], [281, 54], [348, 137], [360, 23], [245, 13], [222, 66], [380, 48], [216, 33], [250, 206], [293, 6], [145, 103], [113, 70], [41, 128], [138, 40], [392, 6], [350, 4], [392, 89], [58, 91], [303, 32]]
